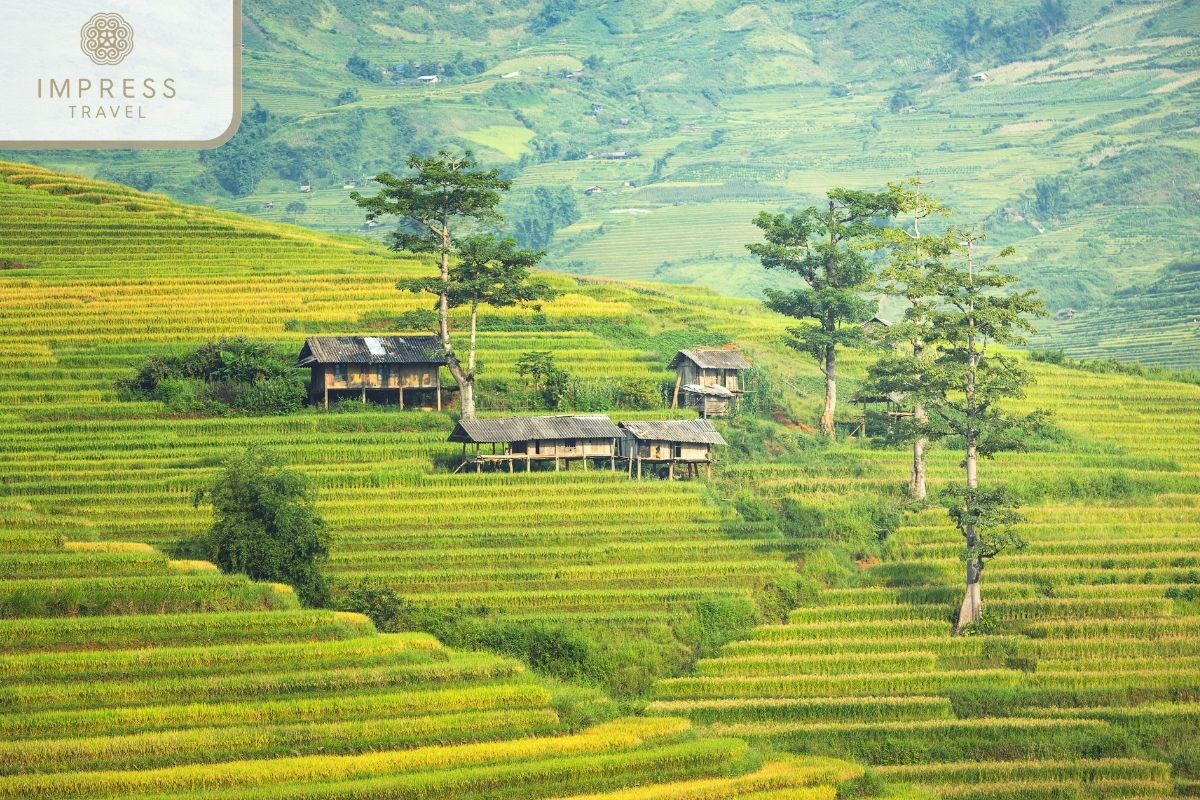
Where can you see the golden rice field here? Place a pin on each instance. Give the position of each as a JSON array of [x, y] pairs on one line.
[[133, 674]]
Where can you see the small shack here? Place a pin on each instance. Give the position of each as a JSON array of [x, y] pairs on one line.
[[524, 440], [686, 442], [890, 405], [709, 380], [404, 370]]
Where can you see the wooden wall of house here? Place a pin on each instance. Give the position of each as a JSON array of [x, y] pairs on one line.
[[689, 373], [707, 406], [376, 376], [665, 450], [566, 448]]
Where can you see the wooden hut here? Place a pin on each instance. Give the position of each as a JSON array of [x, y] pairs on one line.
[[380, 369], [525, 440], [708, 380], [686, 442], [884, 405]]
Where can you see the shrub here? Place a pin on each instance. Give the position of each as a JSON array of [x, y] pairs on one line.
[[234, 374], [266, 525]]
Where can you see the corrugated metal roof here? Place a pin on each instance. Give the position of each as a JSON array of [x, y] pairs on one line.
[[371, 350], [689, 431], [711, 358], [526, 429], [711, 391]]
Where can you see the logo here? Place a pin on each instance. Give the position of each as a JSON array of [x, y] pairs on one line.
[[106, 39], [140, 73]]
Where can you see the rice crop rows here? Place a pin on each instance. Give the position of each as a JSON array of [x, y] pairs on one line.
[[128, 673]]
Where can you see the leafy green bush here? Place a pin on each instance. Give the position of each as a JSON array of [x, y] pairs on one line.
[[234, 374], [266, 525], [859, 524]]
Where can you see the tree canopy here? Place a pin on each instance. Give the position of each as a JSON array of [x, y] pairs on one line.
[[265, 524]]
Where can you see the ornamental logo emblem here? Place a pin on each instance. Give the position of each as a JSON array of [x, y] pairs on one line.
[[106, 39]]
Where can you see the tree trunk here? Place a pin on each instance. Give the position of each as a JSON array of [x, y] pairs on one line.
[[917, 488], [464, 378], [827, 426], [971, 609], [466, 388]]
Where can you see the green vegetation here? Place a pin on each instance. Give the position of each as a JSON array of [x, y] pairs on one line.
[[446, 194], [229, 375], [1077, 146], [266, 526], [795, 604], [824, 246]]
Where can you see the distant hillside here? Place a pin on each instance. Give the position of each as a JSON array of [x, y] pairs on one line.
[[1076, 140]]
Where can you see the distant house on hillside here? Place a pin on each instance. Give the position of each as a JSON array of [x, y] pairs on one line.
[[382, 369], [560, 438], [980, 77], [686, 442], [513, 74], [709, 380], [305, 188], [428, 78], [593, 190]]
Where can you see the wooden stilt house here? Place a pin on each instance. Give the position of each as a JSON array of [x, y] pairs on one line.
[[522, 441], [708, 380], [686, 443], [403, 370], [882, 405]]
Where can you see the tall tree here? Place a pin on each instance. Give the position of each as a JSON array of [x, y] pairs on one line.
[[961, 380], [446, 192], [911, 252], [487, 271], [825, 247]]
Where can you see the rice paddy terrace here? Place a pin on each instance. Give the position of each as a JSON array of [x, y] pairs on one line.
[[139, 675], [130, 674], [1090, 685], [591, 544]]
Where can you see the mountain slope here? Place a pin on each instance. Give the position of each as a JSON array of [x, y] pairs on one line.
[[131, 674], [1095, 657], [723, 108]]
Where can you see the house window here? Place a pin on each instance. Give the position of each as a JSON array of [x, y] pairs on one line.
[[537, 448], [385, 374], [339, 373], [570, 444], [678, 451]]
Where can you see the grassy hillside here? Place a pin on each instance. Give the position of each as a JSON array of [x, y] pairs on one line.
[[1079, 147], [1086, 688], [1087, 684], [131, 674]]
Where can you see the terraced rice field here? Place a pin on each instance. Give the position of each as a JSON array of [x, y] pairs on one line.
[[1144, 336], [127, 674], [1091, 683], [132, 674], [591, 544]]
